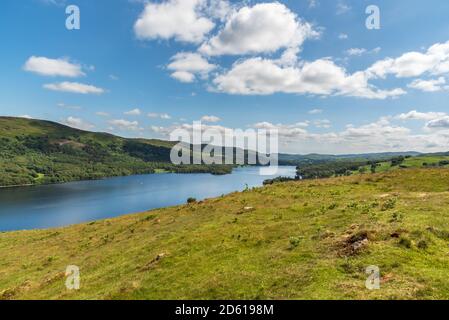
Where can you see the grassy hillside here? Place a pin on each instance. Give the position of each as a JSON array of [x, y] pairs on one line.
[[37, 152], [422, 161], [355, 166], [298, 240]]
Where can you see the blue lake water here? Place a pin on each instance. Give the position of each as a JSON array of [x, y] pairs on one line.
[[75, 202]]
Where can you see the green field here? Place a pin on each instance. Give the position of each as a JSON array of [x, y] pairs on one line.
[[308, 239], [410, 162]]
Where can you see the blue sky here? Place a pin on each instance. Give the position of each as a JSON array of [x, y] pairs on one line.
[[145, 68]]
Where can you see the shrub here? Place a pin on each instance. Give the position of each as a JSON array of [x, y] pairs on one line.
[[191, 200], [388, 205], [422, 244], [294, 242], [405, 242]]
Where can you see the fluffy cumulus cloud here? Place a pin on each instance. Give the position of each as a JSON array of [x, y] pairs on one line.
[[78, 123], [439, 123], [187, 65], [264, 27], [434, 61], [74, 87], [182, 20], [416, 115], [435, 121], [320, 77], [266, 40], [432, 85], [382, 128], [53, 67]]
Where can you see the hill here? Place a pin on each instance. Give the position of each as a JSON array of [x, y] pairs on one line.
[[297, 159], [39, 152], [310, 239]]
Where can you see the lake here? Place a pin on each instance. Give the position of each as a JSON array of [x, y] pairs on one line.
[[58, 205]]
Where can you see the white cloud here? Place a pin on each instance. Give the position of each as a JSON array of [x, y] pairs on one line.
[[186, 65], [219, 9], [210, 119], [74, 87], [313, 3], [182, 20], [78, 123], [429, 85], [284, 130], [375, 130], [315, 111], [102, 114], [361, 51], [126, 125], [183, 76], [163, 116], [441, 123], [25, 116], [53, 67], [378, 136], [414, 64], [343, 36], [416, 115], [258, 76], [325, 124], [264, 27], [134, 112], [342, 8], [356, 51]]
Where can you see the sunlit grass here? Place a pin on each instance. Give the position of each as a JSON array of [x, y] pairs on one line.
[[295, 244]]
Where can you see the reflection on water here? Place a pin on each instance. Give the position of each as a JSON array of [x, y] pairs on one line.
[[75, 202]]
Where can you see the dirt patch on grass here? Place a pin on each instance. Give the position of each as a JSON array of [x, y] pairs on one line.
[[354, 242]]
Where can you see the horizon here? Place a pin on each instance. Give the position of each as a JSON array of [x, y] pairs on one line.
[[312, 70]]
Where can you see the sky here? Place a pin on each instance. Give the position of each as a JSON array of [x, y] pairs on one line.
[[309, 68]]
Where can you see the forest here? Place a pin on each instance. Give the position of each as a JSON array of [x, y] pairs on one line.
[[42, 152]]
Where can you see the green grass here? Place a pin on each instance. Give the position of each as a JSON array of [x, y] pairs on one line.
[[297, 242], [411, 162]]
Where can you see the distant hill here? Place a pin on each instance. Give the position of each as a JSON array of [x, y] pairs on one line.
[[316, 158], [38, 151]]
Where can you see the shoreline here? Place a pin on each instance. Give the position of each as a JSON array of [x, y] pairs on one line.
[[99, 179], [161, 171]]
